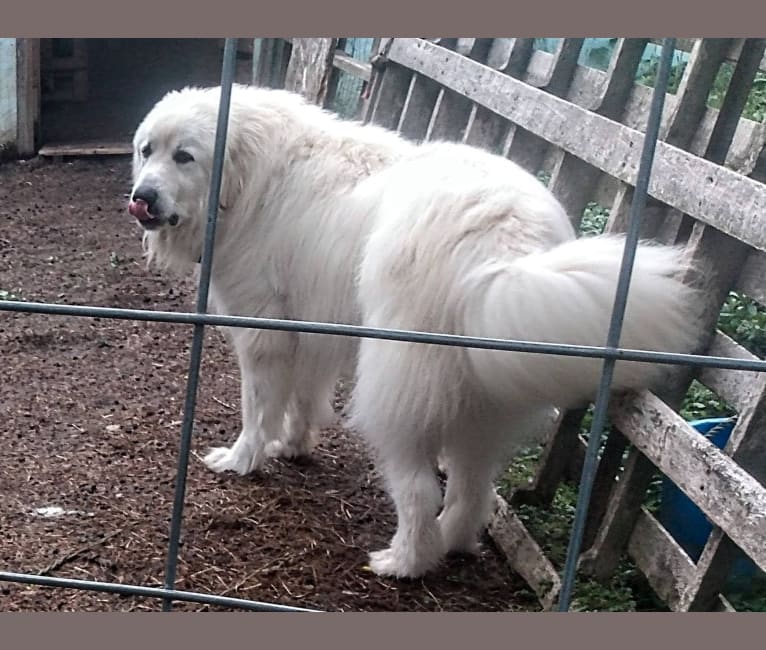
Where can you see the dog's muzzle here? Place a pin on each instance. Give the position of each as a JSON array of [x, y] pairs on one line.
[[142, 207]]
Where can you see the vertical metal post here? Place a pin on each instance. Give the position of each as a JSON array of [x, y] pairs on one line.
[[615, 326], [227, 80]]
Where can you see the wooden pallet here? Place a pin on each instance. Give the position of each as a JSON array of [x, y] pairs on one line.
[[74, 149]]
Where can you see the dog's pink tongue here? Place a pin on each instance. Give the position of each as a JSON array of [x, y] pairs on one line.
[[139, 209]]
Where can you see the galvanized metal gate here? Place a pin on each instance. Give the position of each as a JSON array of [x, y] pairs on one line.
[[430, 90]]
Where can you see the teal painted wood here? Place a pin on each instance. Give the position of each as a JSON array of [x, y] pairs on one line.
[[8, 112], [346, 99], [596, 53]]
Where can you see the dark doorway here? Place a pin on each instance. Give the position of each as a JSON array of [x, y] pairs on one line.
[[119, 81]]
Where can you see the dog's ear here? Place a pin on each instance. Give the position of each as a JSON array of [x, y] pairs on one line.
[[233, 181], [240, 159]]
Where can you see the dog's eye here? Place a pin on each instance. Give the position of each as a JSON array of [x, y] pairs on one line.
[[146, 150], [182, 157]]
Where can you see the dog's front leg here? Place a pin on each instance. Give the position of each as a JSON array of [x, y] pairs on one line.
[[265, 394]]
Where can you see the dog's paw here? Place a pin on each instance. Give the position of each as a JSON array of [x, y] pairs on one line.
[[281, 449], [385, 563], [225, 459], [458, 541], [465, 547], [389, 563]]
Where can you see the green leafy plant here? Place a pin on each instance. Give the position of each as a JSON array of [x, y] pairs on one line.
[[625, 591], [701, 402], [594, 219], [115, 260], [647, 76], [744, 320], [755, 105]]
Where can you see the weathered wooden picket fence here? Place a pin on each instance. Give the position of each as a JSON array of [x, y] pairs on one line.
[[583, 127]]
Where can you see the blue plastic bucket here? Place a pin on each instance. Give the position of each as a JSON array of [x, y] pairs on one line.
[[685, 521]]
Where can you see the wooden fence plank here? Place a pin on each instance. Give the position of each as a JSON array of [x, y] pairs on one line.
[[617, 517], [628, 493], [620, 76], [700, 591], [556, 453], [708, 192], [450, 116], [611, 522], [486, 129], [352, 66], [28, 100], [660, 558], [308, 72], [751, 280], [665, 564], [573, 181], [422, 96], [452, 111], [522, 146], [519, 56], [734, 386], [747, 448], [729, 496], [682, 121], [555, 75], [524, 554], [735, 99], [564, 66], [391, 96]]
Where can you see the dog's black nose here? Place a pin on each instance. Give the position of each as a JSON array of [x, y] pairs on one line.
[[146, 194]]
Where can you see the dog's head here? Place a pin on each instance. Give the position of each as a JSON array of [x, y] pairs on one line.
[[172, 160], [172, 167]]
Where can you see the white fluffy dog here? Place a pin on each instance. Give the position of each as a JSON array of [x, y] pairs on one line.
[[327, 220]]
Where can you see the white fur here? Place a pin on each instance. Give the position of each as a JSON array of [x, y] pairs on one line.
[[328, 220]]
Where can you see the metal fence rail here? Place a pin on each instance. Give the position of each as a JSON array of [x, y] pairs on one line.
[[611, 353]]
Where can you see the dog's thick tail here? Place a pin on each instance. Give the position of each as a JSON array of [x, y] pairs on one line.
[[566, 295]]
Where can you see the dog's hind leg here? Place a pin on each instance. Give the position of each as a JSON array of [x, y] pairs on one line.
[[416, 547], [485, 439], [266, 374], [391, 412], [468, 499]]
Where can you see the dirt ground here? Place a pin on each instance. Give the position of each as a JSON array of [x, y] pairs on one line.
[[90, 416]]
